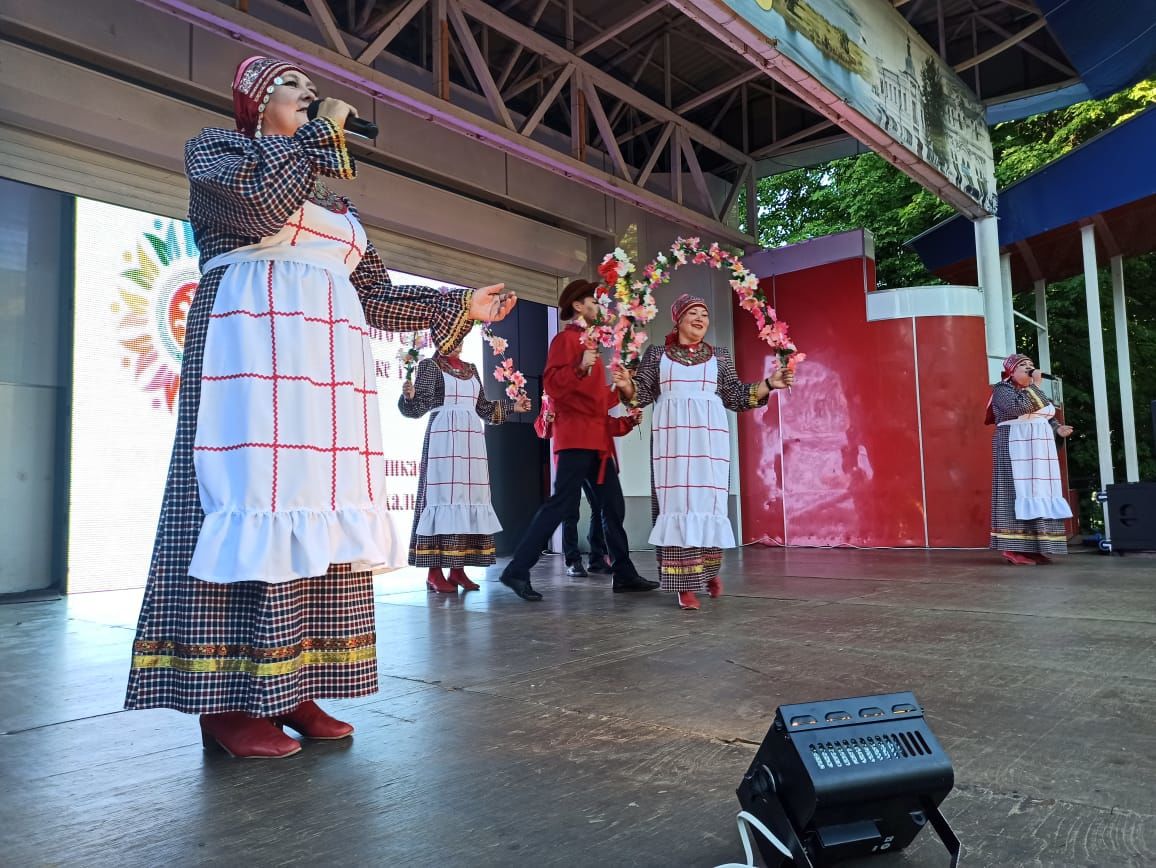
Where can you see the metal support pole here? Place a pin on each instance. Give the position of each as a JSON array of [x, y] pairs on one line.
[[1096, 347], [991, 284], [1124, 359], [1005, 280]]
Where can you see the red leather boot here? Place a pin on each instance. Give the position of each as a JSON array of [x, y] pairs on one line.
[[309, 720], [436, 581], [687, 600], [1018, 559], [714, 587], [246, 737], [458, 577]]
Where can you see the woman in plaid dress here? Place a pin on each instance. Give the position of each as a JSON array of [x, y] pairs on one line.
[[1027, 503], [691, 384], [454, 521], [260, 596]]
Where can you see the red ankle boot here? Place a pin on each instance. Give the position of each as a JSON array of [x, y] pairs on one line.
[[435, 581], [309, 720], [714, 587], [687, 600], [458, 577], [246, 737], [1018, 559]]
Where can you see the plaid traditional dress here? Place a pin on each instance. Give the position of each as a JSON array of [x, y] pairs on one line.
[[252, 646], [431, 382], [1009, 534], [690, 457]]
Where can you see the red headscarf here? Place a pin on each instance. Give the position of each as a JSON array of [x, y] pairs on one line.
[[681, 307], [253, 84], [1009, 366]]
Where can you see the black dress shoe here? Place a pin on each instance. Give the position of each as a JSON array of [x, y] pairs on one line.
[[521, 587], [600, 567], [634, 584], [576, 571]]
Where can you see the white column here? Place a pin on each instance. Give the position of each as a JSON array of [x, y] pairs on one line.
[[990, 282], [1009, 317], [1124, 358], [1096, 346], [1043, 343]]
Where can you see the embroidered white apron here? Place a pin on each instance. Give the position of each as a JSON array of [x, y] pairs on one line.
[[1036, 466], [288, 447], [457, 476], [691, 460]]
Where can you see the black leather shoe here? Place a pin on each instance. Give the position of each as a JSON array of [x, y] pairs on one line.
[[521, 587], [576, 571], [634, 584], [600, 567]]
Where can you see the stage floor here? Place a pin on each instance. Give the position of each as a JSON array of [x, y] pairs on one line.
[[611, 730]]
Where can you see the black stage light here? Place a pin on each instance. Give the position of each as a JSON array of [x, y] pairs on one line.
[[848, 778]]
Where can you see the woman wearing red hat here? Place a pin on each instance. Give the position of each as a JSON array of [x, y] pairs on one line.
[[454, 520], [691, 384], [260, 596], [1027, 503]]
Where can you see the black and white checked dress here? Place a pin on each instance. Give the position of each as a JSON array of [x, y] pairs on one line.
[[690, 568], [251, 646], [446, 551], [1009, 534]]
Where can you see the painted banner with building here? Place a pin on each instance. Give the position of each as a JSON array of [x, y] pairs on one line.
[[867, 54]]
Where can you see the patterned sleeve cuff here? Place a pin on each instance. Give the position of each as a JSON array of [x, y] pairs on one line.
[[325, 142], [753, 399], [498, 414], [459, 327]]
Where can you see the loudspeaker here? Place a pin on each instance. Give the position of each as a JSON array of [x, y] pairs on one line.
[[1132, 516], [847, 778]]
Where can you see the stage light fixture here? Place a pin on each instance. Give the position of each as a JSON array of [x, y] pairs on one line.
[[848, 778]]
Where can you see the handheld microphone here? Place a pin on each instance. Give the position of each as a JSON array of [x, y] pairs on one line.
[[353, 124], [1043, 375]]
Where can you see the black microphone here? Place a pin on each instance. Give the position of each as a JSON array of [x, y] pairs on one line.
[[353, 124], [1043, 375]]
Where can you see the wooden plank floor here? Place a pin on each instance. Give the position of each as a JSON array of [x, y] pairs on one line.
[[607, 730]]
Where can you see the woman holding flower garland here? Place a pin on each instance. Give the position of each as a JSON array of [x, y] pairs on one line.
[[260, 596], [691, 384], [454, 521]]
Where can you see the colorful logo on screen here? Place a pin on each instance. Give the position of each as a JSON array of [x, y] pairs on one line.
[[159, 283]]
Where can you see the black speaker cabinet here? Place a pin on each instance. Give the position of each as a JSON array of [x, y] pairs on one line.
[[1132, 516]]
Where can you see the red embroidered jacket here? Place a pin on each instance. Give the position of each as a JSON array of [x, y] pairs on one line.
[[581, 402]]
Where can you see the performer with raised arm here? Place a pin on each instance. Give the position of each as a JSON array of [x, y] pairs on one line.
[[584, 446], [260, 596], [692, 384], [454, 521]]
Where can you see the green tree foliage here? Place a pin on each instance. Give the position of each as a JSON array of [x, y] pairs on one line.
[[867, 192]]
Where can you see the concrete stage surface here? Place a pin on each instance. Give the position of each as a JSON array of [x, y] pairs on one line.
[[611, 730]]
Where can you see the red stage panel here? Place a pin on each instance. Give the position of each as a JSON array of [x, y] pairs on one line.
[[957, 445], [882, 442]]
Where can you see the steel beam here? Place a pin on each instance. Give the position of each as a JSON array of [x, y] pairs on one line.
[[486, 14], [223, 20]]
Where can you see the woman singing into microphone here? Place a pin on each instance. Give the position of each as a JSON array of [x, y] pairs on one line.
[[1027, 504], [260, 596]]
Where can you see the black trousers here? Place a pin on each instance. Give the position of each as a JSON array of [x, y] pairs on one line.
[[575, 467], [596, 537]]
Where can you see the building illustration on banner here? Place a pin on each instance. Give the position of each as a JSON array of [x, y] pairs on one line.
[[869, 55]]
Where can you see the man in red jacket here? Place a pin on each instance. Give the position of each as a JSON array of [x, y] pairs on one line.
[[584, 446]]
